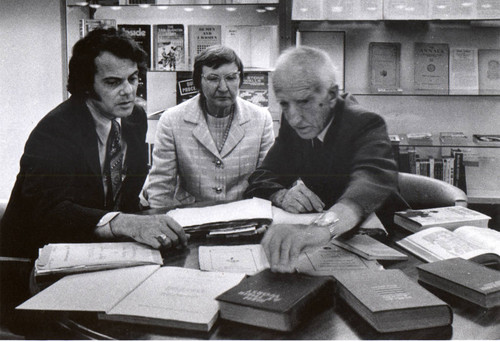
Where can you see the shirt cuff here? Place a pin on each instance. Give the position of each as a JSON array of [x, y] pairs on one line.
[[107, 218]]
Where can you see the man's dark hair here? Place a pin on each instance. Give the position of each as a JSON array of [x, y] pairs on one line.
[[82, 66], [213, 57]]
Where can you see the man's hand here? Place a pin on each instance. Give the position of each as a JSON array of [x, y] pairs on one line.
[[298, 199], [152, 230], [283, 244]]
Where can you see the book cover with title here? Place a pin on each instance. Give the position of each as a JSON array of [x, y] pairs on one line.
[[431, 68], [201, 37], [169, 47]]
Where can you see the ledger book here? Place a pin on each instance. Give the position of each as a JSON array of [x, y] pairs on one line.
[[276, 301], [390, 301], [465, 279], [172, 297]]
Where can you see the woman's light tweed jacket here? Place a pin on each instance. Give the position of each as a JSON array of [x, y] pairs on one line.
[[187, 166]]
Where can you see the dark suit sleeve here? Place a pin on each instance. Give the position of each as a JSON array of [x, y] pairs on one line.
[[56, 188], [373, 172], [278, 170]]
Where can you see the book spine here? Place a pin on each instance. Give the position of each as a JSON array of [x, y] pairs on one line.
[[412, 161]]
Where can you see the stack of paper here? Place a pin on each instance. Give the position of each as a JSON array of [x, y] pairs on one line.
[[67, 258]]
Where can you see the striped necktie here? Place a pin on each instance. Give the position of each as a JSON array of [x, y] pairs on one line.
[[114, 163]]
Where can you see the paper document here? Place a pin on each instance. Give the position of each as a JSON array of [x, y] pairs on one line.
[[77, 257], [249, 259], [250, 209]]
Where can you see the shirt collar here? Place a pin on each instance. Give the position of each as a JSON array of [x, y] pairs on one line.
[[321, 135], [102, 124]]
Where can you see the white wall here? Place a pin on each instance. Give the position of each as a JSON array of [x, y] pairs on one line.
[[31, 81]]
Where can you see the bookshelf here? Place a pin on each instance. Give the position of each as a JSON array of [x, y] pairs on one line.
[[411, 103], [350, 25]]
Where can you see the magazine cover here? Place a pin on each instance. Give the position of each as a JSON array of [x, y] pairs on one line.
[[87, 25], [255, 88], [201, 37], [431, 67], [169, 47], [142, 35]]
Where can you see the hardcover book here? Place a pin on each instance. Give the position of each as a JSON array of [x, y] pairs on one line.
[[390, 301], [201, 37], [489, 71], [432, 244], [169, 47], [431, 68], [465, 279], [369, 248], [385, 60], [447, 217], [172, 297], [275, 300]]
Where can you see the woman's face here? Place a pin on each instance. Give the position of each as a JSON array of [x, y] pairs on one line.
[[220, 86]]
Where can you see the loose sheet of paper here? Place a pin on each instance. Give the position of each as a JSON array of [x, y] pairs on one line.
[[249, 259], [250, 209]]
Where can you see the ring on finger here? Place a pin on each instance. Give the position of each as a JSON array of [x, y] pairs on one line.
[[162, 239]]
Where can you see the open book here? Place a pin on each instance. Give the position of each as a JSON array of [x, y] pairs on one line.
[[67, 258], [165, 296], [467, 242]]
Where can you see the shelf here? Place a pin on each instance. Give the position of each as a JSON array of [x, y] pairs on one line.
[[435, 142]]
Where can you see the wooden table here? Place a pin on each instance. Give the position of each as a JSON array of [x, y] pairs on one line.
[[335, 323]]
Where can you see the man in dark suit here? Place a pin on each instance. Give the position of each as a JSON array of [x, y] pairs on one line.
[[331, 156], [85, 162]]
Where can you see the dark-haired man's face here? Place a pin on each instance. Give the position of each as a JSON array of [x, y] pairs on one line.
[[115, 85]]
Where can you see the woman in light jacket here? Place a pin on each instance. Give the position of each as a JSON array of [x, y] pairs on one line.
[[206, 148]]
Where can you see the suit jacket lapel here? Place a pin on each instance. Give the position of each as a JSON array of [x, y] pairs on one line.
[[89, 143], [237, 131], [201, 132]]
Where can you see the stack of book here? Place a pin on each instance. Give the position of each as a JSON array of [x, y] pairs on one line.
[[446, 217]]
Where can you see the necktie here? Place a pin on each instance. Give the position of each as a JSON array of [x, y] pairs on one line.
[[114, 162]]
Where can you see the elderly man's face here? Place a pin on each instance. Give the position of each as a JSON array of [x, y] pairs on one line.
[[306, 109]]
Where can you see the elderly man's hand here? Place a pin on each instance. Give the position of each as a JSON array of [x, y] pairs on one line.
[[298, 199], [152, 230], [283, 244]]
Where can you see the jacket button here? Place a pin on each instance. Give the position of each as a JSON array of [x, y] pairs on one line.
[[218, 163], [218, 190]]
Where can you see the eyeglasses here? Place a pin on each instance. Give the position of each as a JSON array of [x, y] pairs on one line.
[[230, 79]]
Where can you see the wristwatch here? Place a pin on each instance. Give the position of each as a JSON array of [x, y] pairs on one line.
[[329, 220]]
